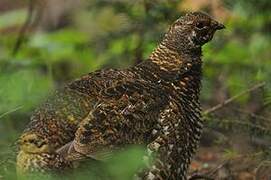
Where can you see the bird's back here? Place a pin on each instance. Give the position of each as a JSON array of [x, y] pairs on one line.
[[119, 93]]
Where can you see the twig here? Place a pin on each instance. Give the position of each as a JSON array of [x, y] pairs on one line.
[[257, 169], [213, 171], [24, 27], [252, 115], [209, 175], [11, 111], [233, 98]]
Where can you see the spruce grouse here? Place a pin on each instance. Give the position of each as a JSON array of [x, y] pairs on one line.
[[155, 103]]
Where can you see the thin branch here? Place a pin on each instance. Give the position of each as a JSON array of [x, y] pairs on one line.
[[233, 98], [209, 175], [216, 169], [253, 115], [11, 111], [24, 27], [257, 169]]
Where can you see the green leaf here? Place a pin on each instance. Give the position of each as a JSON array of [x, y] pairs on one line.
[[22, 88], [125, 164]]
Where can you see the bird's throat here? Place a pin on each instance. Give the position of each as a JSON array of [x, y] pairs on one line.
[[166, 59], [172, 60]]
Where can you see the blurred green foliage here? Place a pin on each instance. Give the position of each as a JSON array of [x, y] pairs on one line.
[[121, 165], [119, 34]]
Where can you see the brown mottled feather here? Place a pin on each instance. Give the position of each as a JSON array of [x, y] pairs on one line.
[[155, 103]]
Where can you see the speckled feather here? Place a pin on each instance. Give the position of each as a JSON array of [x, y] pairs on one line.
[[155, 103]]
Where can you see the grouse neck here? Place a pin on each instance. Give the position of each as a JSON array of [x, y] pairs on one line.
[[172, 59]]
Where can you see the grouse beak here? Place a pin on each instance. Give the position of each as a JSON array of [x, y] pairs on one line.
[[219, 26]]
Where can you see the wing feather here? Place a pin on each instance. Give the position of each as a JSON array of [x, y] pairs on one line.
[[125, 115]]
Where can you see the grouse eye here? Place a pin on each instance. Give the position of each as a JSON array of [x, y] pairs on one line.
[[200, 25], [41, 144]]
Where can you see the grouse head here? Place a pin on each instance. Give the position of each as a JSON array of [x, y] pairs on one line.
[[191, 31], [31, 143], [36, 155]]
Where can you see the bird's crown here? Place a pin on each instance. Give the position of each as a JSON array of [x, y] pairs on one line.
[[192, 31]]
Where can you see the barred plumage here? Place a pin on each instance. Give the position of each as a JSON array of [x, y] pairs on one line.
[[155, 103]]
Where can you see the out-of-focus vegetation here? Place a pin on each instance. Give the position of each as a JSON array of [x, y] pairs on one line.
[[120, 166], [67, 39]]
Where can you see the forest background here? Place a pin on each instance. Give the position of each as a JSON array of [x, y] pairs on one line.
[[65, 39]]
